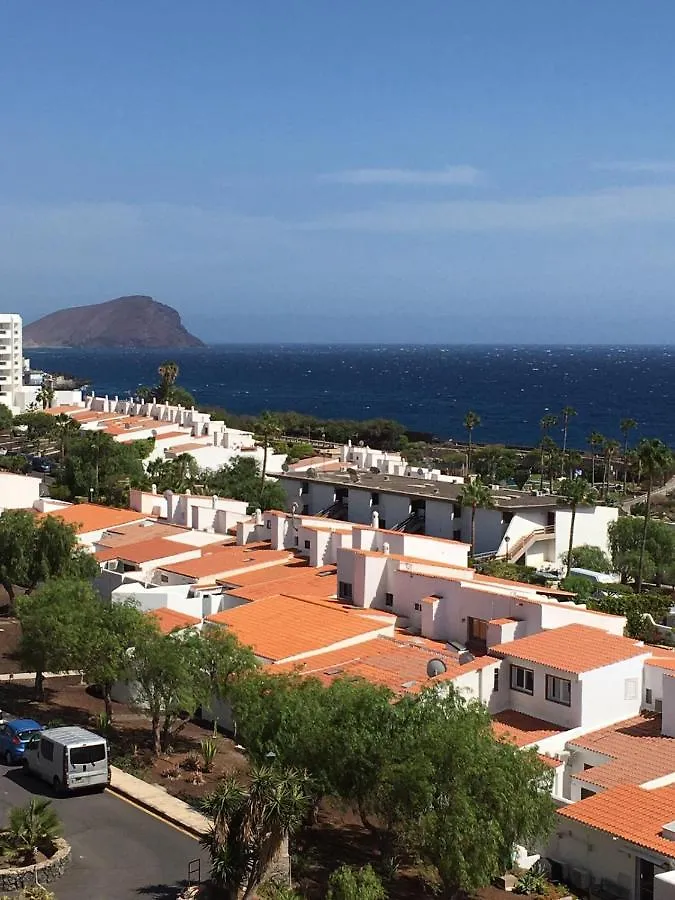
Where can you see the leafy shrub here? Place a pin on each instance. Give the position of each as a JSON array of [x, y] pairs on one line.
[[208, 749], [191, 763], [533, 881], [348, 883], [277, 890], [33, 827]]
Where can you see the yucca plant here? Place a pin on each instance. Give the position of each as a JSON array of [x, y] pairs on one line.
[[208, 749], [33, 827]]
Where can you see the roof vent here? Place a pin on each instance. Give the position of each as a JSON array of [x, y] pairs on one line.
[[336, 670], [408, 684]]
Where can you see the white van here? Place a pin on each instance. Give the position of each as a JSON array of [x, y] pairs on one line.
[[69, 758]]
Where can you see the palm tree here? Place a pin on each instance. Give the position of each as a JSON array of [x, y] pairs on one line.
[[625, 427], [268, 428], [574, 492], [250, 825], [45, 395], [596, 440], [610, 449], [567, 413], [471, 421], [546, 423], [168, 373], [33, 827], [478, 496], [655, 457], [65, 427]]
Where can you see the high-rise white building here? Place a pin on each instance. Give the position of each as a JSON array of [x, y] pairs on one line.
[[11, 357]]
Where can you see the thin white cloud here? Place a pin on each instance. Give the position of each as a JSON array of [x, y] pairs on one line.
[[451, 175], [599, 209], [644, 166]]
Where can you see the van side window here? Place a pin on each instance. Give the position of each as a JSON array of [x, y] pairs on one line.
[[47, 749]]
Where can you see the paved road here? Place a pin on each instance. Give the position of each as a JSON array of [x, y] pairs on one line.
[[665, 489], [119, 851]]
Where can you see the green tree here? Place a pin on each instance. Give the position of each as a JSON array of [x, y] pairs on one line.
[[625, 427], [170, 684], [52, 622], [40, 427], [457, 798], [596, 441], [610, 448], [655, 457], [471, 421], [268, 429], [296, 451], [250, 825], [625, 540], [240, 480], [168, 374], [223, 660], [348, 883], [573, 493], [477, 496], [98, 465], [65, 428], [584, 588], [6, 417], [45, 395], [588, 557], [495, 464], [546, 423], [33, 827], [112, 631], [568, 412], [179, 474], [33, 550]]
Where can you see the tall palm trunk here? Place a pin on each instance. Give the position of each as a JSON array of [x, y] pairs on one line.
[[625, 465], [263, 471], [473, 531], [468, 455], [638, 584], [571, 542], [593, 468], [541, 469]]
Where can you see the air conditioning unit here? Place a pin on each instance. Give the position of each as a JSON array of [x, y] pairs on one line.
[[658, 706], [580, 878]]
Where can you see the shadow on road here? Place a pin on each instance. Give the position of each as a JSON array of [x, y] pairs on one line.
[[29, 782], [162, 891]]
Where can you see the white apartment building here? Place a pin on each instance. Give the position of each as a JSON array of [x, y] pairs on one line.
[[11, 358], [522, 526]]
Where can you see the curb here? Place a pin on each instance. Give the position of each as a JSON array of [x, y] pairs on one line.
[[160, 813]]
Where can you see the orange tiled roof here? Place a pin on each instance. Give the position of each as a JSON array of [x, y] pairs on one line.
[[399, 663], [136, 532], [280, 627], [572, 648], [308, 584], [95, 517], [638, 751], [521, 729], [661, 662], [631, 813], [153, 549], [215, 561], [170, 619]]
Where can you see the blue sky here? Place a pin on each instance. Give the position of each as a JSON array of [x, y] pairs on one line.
[[372, 171]]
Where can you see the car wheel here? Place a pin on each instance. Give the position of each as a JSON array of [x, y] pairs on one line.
[[9, 759]]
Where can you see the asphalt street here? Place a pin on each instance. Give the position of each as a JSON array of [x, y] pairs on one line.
[[119, 850]]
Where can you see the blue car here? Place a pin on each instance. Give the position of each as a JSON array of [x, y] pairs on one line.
[[14, 737]]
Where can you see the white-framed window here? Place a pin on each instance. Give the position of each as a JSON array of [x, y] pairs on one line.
[[648, 696], [345, 590], [418, 607], [630, 689], [163, 578], [558, 690], [388, 599], [495, 680], [522, 680]]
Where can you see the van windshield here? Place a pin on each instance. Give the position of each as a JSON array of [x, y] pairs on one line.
[[83, 756]]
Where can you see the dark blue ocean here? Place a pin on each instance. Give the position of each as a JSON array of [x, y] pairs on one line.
[[428, 388]]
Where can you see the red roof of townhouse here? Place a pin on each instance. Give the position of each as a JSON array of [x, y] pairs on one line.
[[629, 812], [136, 532], [215, 561], [280, 627], [395, 662], [637, 752], [318, 583], [572, 648], [154, 549], [95, 517], [522, 730], [169, 620]]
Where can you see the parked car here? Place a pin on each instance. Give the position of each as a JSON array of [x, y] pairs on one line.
[[41, 464], [15, 735], [69, 758]]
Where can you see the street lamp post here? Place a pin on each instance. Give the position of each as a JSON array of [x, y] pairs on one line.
[[506, 541]]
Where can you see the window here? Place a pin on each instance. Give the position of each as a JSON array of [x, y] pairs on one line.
[[648, 696], [558, 690], [383, 524], [83, 756], [457, 534], [296, 540], [375, 499], [47, 749], [522, 680], [307, 545], [456, 510], [345, 590], [630, 689], [268, 523], [495, 680], [388, 599], [418, 607], [163, 578], [305, 488], [586, 793]]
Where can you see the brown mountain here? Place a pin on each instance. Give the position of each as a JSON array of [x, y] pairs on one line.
[[124, 322]]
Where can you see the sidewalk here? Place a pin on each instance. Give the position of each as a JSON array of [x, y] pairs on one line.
[[156, 800]]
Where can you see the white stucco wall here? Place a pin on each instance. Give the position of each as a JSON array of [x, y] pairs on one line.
[[590, 527], [18, 491]]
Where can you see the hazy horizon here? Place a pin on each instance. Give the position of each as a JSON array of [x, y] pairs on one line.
[[432, 173]]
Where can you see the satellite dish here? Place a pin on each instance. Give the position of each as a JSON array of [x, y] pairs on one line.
[[311, 473], [436, 667]]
